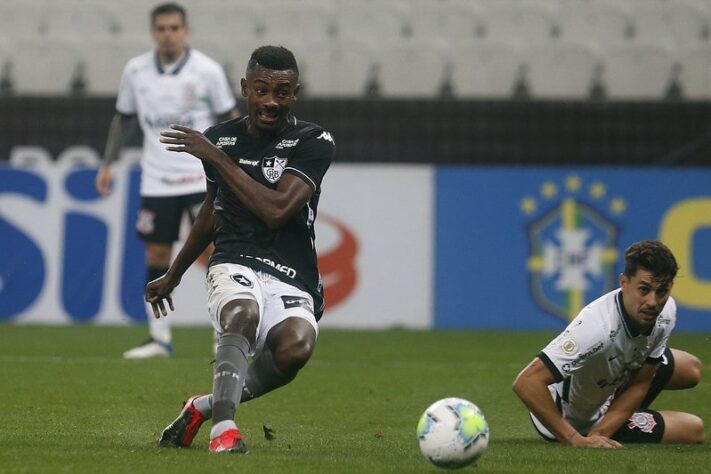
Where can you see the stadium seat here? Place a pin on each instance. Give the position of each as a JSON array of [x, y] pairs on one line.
[[485, 69], [44, 67], [303, 20], [356, 21], [561, 70], [411, 68], [453, 22], [597, 24], [23, 20], [695, 72], [74, 19], [132, 18], [336, 69], [678, 25], [224, 21], [104, 61], [524, 22], [5, 67], [637, 71]]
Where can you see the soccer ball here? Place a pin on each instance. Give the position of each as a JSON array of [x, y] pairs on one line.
[[453, 433]]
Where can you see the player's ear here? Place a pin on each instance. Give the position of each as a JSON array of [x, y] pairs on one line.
[[243, 86], [623, 279], [296, 90]]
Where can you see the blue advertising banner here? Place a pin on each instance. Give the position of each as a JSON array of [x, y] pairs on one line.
[[527, 248]]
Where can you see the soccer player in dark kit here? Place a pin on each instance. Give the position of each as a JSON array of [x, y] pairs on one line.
[[265, 293]]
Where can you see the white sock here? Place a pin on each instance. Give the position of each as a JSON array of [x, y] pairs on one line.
[[159, 329], [204, 405], [221, 427]]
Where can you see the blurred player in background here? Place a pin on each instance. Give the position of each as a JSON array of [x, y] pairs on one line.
[[265, 293], [593, 384], [170, 84]]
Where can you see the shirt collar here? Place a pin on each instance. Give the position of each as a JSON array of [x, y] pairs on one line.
[[631, 327], [178, 67]]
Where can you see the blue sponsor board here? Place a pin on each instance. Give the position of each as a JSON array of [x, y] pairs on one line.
[[527, 248], [69, 243]]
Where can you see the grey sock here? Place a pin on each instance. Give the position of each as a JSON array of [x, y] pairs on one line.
[[230, 371], [263, 376]]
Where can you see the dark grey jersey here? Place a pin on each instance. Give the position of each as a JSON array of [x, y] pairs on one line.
[[289, 253]]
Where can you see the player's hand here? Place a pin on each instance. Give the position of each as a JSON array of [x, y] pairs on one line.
[[187, 140], [594, 441], [157, 292], [103, 181]]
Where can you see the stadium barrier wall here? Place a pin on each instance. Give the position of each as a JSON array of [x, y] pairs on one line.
[[528, 247], [400, 245], [70, 256]]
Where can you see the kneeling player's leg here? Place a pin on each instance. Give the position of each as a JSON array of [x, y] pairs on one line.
[[672, 427], [687, 371], [288, 347], [680, 427], [678, 370]]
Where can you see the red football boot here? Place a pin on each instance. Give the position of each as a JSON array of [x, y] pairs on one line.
[[181, 432]]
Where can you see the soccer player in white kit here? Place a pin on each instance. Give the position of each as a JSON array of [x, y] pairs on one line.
[[593, 384], [171, 84]]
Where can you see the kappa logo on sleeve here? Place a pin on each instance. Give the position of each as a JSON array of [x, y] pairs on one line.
[[326, 136]]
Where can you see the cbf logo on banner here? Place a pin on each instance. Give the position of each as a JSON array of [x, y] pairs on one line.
[[573, 237], [527, 248]]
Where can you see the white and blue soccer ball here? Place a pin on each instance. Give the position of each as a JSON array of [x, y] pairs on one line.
[[453, 433]]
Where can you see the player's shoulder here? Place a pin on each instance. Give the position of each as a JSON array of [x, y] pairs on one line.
[[204, 62], [140, 62], [310, 130], [598, 317]]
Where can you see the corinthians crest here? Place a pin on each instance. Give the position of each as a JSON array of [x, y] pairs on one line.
[[573, 244], [273, 167]]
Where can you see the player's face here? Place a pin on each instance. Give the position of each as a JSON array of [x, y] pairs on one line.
[[170, 34], [644, 296], [270, 95]]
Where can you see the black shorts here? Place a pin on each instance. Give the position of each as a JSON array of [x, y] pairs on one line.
[[645, 425], [159, 218]]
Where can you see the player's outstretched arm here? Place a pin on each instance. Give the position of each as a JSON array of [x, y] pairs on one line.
[[625, 403], [201, 234], [531, 386], [273, 206]]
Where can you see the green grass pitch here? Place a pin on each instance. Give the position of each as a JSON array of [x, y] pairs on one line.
[[71, 404]]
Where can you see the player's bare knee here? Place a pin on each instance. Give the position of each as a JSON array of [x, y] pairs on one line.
[[697, 430], [696, 367], [241, 316], [692, 368], [294, 353]]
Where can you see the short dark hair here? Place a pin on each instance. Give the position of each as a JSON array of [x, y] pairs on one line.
[[653, 256], [168, 8], [272, 57]]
